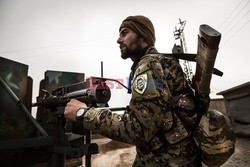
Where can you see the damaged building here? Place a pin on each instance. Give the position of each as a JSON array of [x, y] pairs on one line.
[[237, 102]]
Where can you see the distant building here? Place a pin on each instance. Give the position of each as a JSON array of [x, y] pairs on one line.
[[237, 101]]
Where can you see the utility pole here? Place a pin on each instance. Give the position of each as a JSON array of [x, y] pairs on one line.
[[181, 47]]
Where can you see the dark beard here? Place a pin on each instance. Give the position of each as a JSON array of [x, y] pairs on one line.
[[129, 53]]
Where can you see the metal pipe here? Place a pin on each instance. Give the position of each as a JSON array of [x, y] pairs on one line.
[[22, 107]]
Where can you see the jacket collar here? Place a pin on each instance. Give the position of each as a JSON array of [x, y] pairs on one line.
[[148, 50]]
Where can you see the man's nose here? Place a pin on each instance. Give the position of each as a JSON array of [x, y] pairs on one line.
[[119, 40]]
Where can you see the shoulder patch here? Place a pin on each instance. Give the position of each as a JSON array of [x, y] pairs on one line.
[[140, 83]]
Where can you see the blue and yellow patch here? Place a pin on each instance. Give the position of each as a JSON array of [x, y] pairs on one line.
[[140, 83]]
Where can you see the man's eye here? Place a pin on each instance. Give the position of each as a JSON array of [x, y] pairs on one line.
[[123, 34]]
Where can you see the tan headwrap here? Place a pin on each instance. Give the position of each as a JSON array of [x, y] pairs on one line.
[[142, 26]]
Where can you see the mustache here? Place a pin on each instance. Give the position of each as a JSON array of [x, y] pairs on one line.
[[123, 45]]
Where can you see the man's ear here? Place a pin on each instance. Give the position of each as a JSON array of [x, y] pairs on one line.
[[143, 42]]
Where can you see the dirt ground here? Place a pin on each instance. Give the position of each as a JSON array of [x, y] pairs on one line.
[[116, 154], [241, 156]]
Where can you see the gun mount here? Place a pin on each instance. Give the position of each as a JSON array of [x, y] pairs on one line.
[[55, 139]]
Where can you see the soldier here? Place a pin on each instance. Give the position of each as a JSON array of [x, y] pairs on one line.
[[161, 115]]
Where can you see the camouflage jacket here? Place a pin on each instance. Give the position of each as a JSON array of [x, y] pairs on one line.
[[154, 119]]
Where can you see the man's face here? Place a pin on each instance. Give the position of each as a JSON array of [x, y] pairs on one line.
[[130, 43]]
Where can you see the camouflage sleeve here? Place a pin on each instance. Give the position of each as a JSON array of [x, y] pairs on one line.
[[151, 97], [128, 127]]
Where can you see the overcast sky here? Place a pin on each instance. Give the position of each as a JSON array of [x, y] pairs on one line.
[[76, 35]]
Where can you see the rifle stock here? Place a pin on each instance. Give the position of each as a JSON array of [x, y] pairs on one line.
[[208, 45]]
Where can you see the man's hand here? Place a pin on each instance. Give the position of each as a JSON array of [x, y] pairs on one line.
[[72, 107]]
